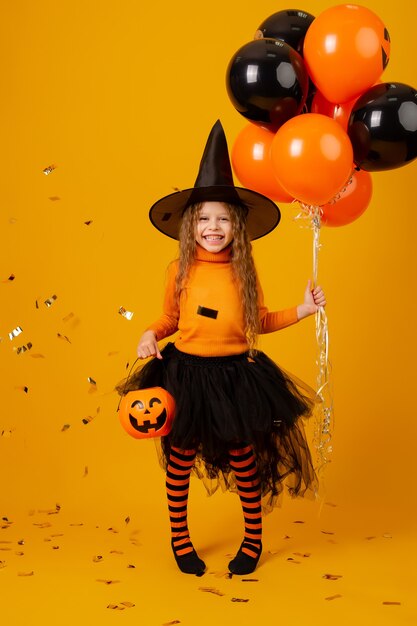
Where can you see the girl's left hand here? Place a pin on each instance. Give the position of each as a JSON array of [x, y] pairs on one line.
[[313, 299]]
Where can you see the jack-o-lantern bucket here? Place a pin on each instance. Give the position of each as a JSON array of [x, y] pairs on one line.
[[147, 413]]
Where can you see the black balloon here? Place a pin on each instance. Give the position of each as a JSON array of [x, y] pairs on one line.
[[267, 82], [289, 26], [383, 127]]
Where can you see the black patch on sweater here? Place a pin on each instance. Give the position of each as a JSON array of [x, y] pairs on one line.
[[203, 310]]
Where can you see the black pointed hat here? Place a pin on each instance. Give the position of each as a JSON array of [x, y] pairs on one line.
[[215, 183]]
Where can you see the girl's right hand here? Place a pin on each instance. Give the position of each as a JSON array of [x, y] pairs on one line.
[[148, 346]]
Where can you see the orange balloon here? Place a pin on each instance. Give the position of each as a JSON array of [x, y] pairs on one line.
[[251, 160], [312, 158], [346, 49], [339, 112], [353, 201]]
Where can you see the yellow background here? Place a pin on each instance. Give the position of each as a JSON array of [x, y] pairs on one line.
[[120, 97]]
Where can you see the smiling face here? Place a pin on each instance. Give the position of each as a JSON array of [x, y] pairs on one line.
[[214, 228], [147, 413]]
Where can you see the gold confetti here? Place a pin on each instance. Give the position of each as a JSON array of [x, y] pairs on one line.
[[55, 547], [176, 189], [291, 560], [88, 419], [68, 317], [330, 504], [240, 599], [107, 581], [6, 433], [36, 304], [88, 222], [26, 573], [21, 542], [63, 337], [116, 552], [175, 621], [25, 389], [48, 170], [65, 427], [37, 355], [327, 532], [250, 580], [57, 535], [85, 471], [305, 555], [10, 279], [370, 538], [220, 574], [98, 558], [113, 353], [19, 553], [93, 387], [113, 530], [3, 564], [124, 313], [51, 511], [298, 521], [49, 301], [115, 607], [213, 590], [128, 605], [42, 524], [337, 595], [23, 348], [127, 519], [77, 524], [391, 603], [332, 576], [54, 198], [387, 536], [15, 332]]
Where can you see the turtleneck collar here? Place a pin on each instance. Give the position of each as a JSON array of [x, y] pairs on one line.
[[224, 256]]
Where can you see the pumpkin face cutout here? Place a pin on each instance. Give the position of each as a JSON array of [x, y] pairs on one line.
[[147, 413]]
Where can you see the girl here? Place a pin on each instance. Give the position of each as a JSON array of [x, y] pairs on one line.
[[237, 414]]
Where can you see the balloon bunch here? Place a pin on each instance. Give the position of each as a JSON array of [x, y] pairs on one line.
[[320, 120]]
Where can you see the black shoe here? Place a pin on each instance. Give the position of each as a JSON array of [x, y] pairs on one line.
[[243, 563], [189, 563]]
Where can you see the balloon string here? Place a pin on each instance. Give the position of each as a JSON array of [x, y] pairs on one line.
[[323, 425]]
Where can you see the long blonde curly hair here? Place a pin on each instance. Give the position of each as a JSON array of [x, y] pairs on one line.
[[243, 266]]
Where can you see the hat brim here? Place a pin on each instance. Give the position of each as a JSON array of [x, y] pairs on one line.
[[263, 214]]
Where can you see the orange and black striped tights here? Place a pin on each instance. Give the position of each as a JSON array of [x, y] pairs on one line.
[[243, 463]]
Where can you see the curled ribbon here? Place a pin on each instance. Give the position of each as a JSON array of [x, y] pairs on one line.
[[323, 426]]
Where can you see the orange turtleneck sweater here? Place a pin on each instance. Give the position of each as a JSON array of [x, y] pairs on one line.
[[209, 316]]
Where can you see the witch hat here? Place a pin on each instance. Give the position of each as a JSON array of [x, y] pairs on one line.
[[215, 183]]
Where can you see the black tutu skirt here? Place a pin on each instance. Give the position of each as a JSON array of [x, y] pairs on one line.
[[226, 402]]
